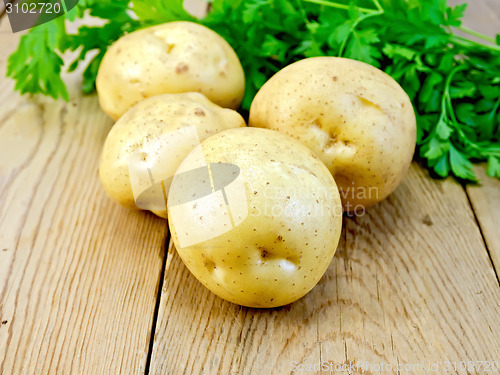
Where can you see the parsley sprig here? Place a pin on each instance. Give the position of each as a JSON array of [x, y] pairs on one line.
[[453, 81]]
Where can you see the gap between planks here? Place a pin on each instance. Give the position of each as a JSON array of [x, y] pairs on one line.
[[484, 200], [166, 245], [488, 251]]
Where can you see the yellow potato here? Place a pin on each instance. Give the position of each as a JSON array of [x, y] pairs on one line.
[[266, 229], [151, 140], [355, 118], [174, 57]]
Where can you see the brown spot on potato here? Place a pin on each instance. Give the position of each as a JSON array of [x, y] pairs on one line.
[[181, 68], [199, 112], [209, 264]]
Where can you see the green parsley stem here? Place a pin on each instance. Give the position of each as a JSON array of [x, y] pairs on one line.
[[497, 105], [482, 150], [476, 34], [447, 106], [339, 6], [378, 12], [379, 7], [447, 111], [63, 3], [464, 42]]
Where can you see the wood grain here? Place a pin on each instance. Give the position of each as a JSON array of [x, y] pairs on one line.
[[78, 274], [411, 283], [485, 200]]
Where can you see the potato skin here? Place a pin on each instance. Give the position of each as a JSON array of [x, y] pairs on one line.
[[174, 57], [150, 119], [355, 118], [280, 251]]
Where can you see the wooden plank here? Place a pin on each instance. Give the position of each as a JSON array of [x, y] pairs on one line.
[[199, 333], [485, 200], [411, 267], [78, 274], [411, 283]]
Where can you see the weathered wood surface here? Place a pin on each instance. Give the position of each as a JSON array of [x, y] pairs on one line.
[[78, 274], [485, 200], [412, 281]]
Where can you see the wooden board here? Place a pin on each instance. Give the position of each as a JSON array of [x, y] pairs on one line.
[[411, 283], [485, 200], [78, 274], [2, 7]]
